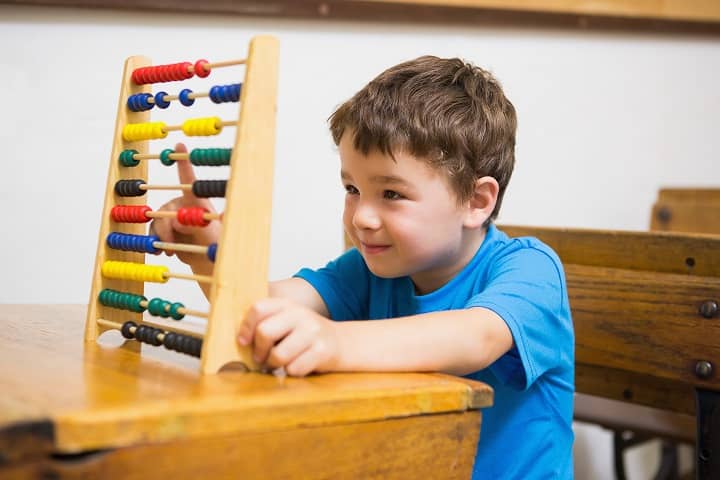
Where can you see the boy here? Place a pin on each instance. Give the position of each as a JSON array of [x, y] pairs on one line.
[[427, 150]]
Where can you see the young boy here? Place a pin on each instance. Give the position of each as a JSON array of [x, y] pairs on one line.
[[426, 153]]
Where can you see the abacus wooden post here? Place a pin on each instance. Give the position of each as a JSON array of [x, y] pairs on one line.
[[240, 276], [115, 173]]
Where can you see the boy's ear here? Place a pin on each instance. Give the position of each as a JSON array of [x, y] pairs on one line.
[[482, 202]]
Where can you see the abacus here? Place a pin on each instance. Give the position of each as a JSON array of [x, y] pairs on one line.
[[239, 275]]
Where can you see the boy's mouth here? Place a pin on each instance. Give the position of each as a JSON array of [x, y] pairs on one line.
[[372, 249]]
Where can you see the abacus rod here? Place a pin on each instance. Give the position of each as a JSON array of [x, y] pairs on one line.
[[224, 63], [189, 276], [181, 247], [156, 156], [172, 128], [170, 98], [183, 186], [150, 323], [169, 214], [181, 310]]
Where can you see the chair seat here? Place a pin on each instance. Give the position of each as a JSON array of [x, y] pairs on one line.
[[617, 415]]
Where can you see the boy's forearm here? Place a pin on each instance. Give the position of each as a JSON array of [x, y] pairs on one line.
[[457, 342]]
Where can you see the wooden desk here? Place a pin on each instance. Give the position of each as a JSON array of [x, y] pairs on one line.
[[72, 410]]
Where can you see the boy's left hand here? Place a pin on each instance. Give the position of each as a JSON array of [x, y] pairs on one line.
[[286, 334]]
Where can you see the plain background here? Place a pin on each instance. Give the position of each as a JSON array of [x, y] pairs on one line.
[[605, 120]]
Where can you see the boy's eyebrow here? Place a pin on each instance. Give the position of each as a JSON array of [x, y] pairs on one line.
[[382, 179], [385, 179]]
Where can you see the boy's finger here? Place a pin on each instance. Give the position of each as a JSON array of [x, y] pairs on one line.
[[289, 348], [303, 364], [268, 333], [186, 174], [256, 314]]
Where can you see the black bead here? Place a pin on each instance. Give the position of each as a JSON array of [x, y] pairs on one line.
[[169, 340], [155, 338], [130, 188], [125, 330], [209, 188]]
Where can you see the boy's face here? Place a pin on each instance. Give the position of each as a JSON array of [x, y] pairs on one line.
[[403, 217]]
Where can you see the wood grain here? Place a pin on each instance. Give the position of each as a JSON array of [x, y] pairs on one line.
[[64, 399]]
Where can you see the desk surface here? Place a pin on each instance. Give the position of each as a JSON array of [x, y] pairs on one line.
[[68, 396]]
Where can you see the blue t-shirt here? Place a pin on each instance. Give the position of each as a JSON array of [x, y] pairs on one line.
[[527, 433]]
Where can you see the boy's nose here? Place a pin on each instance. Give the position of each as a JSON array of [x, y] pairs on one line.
[[366, 217]]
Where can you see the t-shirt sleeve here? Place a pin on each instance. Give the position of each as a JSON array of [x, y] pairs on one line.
[[527, 290], [343, 285]]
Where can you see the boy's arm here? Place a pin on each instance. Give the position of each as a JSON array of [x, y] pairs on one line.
[[286, 334], [299, 291], [454, 341]]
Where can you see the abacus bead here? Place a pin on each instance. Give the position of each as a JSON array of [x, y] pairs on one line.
[[197, 347], [156, 307], [174, 313], [127, 158], [125, 330], [184, 97], [212, 251], [200, 68], [209, 188], [130, 188], [155, 337], [149, 241], [139, 102], [165, 157], [169, 340], [160, 100]]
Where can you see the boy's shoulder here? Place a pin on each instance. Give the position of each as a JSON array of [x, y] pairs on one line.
[[501, 247]]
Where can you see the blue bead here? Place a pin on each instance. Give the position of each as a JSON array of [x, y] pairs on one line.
[[139, 102], [212, 250], [149, 247], [160, 100], [185, 97], [225, 93]]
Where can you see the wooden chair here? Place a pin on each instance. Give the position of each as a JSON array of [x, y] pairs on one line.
[[645, 308]]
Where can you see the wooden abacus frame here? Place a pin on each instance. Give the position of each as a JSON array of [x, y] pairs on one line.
[[240, 274]]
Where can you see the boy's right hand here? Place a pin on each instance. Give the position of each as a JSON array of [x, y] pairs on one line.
[[170, 230]]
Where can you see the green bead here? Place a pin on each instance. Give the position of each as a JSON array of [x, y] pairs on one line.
[[165, 157], [157, 307], [127, 158], [213, 157], [121, 300], [174, 311]]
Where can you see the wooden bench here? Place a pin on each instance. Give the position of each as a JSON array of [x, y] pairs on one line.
[[695, 210], [645, 309]]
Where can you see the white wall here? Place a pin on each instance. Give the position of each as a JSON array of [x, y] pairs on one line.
[[605, 120]]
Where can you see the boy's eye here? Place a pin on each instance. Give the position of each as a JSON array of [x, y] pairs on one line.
[[391, 195], [351, 189]]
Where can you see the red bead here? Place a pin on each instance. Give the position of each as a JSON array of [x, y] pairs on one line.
[[130, 213], [162, 73], [200, 70], [192, 216]]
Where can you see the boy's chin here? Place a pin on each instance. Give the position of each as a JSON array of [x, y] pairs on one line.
[[385, 272]]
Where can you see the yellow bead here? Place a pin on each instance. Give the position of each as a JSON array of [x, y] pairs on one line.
[[134, 271], [202, 127], [133, 132]]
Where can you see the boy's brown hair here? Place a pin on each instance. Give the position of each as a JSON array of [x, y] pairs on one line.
[[447, 111]]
